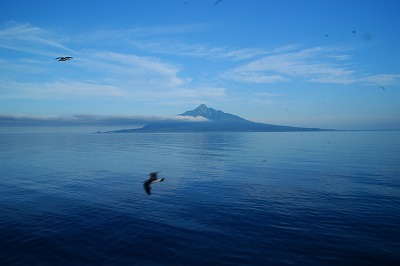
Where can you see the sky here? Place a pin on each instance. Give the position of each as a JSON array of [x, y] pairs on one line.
[[310, 63]]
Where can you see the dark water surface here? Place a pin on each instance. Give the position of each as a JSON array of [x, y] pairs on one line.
[[322, 198]]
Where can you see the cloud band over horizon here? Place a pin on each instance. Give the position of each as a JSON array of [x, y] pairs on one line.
[[89, 120]]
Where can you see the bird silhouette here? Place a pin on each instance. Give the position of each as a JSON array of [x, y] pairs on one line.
[[153, 179], [63, 58]]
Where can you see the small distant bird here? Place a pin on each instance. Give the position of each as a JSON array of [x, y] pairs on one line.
[[64, 58], [153, 179], [353, 31], [217, 2], [326, 35], [383, 88]]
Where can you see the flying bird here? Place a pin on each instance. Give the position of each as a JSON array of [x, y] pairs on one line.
[[63, 58], [153, 179], [217, 2]]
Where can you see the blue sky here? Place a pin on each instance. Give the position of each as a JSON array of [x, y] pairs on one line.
[[328, 64]]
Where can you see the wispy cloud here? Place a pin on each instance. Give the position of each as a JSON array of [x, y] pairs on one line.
[[127, 77], [306, 64], [315, 65], [30, 39], [380, 79], [173, 47], [140, 70], [113, 74], [163, 40], [133, 70], [132, 88]]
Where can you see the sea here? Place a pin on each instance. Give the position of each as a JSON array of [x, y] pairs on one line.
[[299, 198]]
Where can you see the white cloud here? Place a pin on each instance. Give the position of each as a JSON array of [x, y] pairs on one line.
[[307, 64], [129, 74], [30, 39], [380, 79], [181, 48], [316, 65], [139, 77], [113, 74], [148, 70]]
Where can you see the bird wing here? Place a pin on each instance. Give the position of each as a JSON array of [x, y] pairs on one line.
[[154, 175], [156, 181], [147, 187], [153, 179]]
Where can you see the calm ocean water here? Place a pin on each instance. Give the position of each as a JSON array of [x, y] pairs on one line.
[[315, 198]]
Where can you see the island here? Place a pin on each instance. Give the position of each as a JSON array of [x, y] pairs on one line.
[[214, 121]]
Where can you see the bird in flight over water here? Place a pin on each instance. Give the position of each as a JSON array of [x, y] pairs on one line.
[[63, 58], [153, 179]]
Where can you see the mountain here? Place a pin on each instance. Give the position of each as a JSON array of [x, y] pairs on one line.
[[211, 114], [217, 121]]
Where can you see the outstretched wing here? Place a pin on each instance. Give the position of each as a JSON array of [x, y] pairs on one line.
[[64, 58], [147, 187], [154, 175], [157, 180]]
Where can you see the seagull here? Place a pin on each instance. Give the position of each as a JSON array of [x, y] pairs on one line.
[[64, 58], [153, 179], [217, 2]]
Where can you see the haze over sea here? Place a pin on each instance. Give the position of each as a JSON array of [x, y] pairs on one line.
[[312, 198]]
